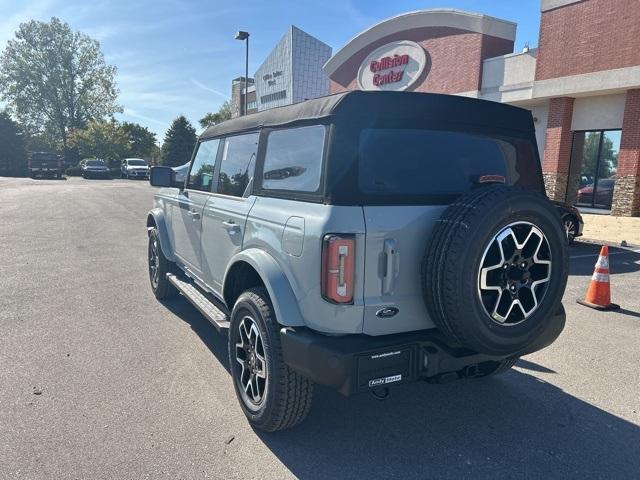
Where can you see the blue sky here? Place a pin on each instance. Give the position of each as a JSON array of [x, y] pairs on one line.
[[179, 56]]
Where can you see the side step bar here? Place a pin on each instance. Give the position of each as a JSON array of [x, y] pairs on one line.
[[209, 309]]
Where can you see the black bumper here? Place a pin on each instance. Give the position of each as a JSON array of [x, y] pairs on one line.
[[358, 363]]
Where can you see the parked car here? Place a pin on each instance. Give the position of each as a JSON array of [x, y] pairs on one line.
[[360, 241], [94, 168], [181, 172], [135, 168], [603, 193], [45, 164], [571, 220]]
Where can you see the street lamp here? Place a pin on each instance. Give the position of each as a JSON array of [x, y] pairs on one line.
[[245, 36]]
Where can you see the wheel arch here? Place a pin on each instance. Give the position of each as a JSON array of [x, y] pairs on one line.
[[250, 266], [156, 219]]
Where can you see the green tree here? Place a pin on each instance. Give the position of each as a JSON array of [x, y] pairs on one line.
[[56, 80], [13, 155], [608, 156], [224, 113], [105, 140], [142, 142], [179, 142]]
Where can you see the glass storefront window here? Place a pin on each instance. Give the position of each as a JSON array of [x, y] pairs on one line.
[[594, 159]]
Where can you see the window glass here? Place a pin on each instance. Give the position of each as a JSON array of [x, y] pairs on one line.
[[419, 162], [201, 174], [594, 161], [293, 160], [238, 164]]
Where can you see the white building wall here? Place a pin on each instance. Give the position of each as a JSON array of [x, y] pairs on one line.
[[598, 113]]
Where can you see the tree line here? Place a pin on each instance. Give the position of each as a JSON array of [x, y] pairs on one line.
[[61, 96]]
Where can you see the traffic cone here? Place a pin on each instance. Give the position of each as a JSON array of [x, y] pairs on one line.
[[599, 292]]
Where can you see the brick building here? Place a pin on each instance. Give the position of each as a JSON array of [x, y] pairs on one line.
[[582, 84]]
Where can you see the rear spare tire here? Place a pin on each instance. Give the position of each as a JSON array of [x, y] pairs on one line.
[[495, 269]]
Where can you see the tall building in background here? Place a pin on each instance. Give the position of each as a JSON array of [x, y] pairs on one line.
[[238, 92], [292, 72]]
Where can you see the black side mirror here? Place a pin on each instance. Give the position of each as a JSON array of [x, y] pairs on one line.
[[162, 177]]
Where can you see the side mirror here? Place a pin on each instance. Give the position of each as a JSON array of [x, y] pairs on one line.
[[162, 177]]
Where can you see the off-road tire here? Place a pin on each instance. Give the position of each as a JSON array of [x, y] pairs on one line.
[[288, 395], [452, 262], [162, 288]]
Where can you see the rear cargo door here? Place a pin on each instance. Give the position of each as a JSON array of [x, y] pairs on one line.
[[395, 243], [407, 178]]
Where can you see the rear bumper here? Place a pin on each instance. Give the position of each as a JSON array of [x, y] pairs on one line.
[[358, 363]]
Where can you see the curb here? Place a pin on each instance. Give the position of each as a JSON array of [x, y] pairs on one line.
[[609, 243]]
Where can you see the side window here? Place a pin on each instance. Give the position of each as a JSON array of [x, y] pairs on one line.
[[293, 159], [201, 174], [237, 165]]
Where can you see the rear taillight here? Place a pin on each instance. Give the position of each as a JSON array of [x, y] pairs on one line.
[[338, 263]]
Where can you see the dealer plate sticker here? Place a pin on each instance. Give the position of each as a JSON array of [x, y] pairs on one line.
[[376, 382]]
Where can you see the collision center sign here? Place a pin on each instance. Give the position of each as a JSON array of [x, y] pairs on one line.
[[394, 66]]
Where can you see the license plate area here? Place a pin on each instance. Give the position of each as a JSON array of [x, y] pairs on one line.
[[391, 366]]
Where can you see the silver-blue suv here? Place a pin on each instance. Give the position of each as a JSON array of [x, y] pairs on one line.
[[360, 241]]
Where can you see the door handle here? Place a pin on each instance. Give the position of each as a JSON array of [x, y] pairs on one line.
[[231, 225], [194, 214], [391, 255]]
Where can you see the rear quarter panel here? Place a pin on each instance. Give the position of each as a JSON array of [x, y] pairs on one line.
[[292, 232]]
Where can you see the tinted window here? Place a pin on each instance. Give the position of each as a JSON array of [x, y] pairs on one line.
[[94, 163], [137, 162], [237, 165], [201, 174], [419, 162], [293, 160]]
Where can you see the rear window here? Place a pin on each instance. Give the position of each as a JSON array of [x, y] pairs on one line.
[[430, 162]]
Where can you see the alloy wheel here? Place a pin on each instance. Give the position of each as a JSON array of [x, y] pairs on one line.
[[570, 228], [514, 273], [154, 263], [251, 360]]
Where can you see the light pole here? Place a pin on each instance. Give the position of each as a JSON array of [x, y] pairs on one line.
[[245, 36]]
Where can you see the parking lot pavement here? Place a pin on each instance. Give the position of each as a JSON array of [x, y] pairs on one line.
[[99, 380]]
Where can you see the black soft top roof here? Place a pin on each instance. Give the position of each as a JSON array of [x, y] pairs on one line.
[[359, 105]]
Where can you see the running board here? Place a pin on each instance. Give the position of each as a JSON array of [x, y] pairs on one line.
[[209, 309]]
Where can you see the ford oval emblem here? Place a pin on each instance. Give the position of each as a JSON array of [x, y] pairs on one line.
[[387, 312]]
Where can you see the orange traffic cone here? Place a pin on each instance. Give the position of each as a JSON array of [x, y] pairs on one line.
[[599, 292]]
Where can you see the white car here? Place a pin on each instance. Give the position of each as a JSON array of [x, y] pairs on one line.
[[134, 168]]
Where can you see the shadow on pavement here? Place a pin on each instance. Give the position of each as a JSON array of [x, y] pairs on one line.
[[512, 426], [585, 255]]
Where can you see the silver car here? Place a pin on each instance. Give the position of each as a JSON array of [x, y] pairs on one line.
[[134, 168], [361, 241]]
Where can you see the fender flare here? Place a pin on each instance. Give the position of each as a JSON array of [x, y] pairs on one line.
[[284, 301], [157, 215]]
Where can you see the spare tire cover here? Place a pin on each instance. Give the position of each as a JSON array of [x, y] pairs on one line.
[[495, 269]]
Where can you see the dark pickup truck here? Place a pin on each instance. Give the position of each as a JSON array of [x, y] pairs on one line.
[[46, 164]]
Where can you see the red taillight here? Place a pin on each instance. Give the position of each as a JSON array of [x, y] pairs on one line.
[[338, 255]]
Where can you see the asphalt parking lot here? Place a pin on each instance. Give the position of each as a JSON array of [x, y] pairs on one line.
[[99, 380]]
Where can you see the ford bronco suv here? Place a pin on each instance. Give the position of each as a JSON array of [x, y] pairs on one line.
[[360, 241]]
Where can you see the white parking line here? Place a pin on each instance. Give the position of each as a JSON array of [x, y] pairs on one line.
[[610, 253]]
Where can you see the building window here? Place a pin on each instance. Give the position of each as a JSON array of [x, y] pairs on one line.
[[252, 105], [594, 161], [272, 97]]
